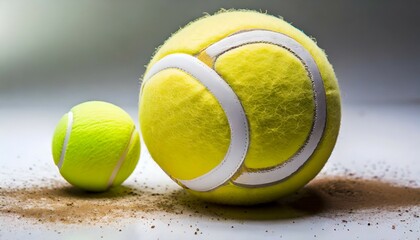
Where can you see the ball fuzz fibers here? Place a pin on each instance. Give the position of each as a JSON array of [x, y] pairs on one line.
[[240, 108], [96, 146]]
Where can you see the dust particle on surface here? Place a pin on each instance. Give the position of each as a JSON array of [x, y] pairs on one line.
[[331, 196]]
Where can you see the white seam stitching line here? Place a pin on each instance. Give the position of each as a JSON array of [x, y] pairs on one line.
[[282, 171], [66, 139], [122, 159], [233, 109]]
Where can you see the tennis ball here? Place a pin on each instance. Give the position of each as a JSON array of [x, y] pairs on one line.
[[96, 146], [240, 108]]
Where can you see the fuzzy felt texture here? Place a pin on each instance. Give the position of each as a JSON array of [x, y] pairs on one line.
[[277, 96], [275, 92], [185, 127], [99, 136]]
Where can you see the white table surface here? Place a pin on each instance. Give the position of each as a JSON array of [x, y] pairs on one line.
[[373, 138]]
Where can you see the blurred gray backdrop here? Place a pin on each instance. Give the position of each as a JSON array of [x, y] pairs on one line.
[[60, 53]]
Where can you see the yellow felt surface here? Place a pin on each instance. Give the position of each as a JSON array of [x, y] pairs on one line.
[[251, 71], [130, 161], [276, 94], [235, 195], [100, 134], [58, 138], [183, 125]]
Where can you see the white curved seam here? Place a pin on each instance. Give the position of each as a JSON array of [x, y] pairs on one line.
[[233, 109], [282, 171], [293, 164], [66, 139], [122, 159]]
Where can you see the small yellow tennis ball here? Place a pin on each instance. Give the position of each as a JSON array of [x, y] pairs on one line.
[[240, 108], [96, 146]]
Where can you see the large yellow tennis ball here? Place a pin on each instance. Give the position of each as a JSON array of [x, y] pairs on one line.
[[96, 146], [240, 108]]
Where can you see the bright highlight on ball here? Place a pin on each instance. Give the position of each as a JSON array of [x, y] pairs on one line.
[[96, 146], [240, 108]]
